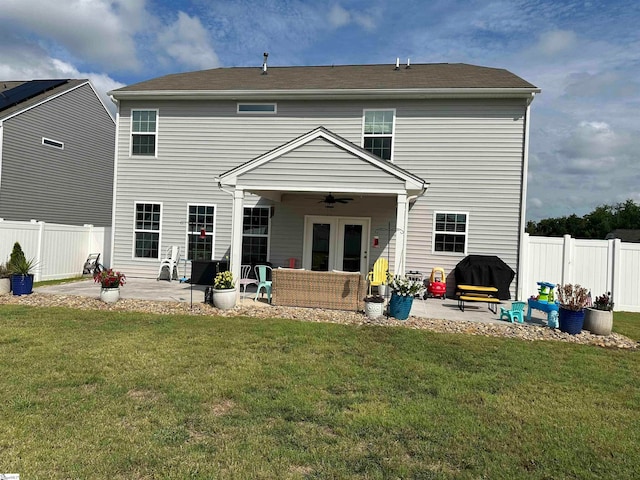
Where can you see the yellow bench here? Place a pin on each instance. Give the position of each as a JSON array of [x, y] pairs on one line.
[[475, 293]]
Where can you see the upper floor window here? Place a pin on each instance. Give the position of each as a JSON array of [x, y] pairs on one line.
[[147, 230], [144, 132], [257, 108], [450, 232], [378, 132], [201, 231]]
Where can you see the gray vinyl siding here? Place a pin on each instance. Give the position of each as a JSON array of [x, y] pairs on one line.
[[314, 165], [69, 186], [469, 151]]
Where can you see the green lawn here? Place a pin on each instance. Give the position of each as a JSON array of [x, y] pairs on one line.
[[128, 396]]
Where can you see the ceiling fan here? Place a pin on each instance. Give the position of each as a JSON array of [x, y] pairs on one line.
[[330, 200]]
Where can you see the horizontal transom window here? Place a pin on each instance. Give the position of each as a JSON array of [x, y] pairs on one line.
[[52, 143], [257, 108]]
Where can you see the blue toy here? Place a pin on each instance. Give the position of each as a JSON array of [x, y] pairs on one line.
[[552, 320]]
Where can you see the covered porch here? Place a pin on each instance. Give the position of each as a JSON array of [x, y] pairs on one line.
[[334, 205]]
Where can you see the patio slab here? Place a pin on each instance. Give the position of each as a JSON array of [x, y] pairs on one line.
[[163, 290]]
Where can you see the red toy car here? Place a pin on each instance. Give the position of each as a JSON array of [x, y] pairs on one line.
[[437, 283]]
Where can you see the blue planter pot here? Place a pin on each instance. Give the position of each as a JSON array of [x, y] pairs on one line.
[[571, 322], [22, 284], [400, 306]]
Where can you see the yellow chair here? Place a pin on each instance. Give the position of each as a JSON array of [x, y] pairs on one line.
[[378, 276]]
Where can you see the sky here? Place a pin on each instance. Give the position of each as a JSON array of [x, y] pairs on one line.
[[585, 56]]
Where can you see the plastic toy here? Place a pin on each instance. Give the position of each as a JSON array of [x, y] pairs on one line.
[[437, 283]]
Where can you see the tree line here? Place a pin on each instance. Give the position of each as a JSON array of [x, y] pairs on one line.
[[594, 225]]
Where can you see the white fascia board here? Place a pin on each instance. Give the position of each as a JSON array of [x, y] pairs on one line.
[[329, 94], [320, 189]]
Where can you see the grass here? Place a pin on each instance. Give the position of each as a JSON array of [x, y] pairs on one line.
[[123, 395]]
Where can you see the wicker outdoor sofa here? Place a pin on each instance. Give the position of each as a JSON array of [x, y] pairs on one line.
[[305, 288]]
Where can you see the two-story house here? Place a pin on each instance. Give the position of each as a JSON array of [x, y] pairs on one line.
[[332, 166], [57, 141]]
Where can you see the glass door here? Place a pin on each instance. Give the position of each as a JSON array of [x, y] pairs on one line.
[[336, 243]]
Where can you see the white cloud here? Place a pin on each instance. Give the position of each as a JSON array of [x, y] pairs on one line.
[[187, 42], [339, 17], [97, 31], [556, 42]]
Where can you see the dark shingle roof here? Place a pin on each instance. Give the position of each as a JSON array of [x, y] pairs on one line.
[[44, 91], [343, 77]]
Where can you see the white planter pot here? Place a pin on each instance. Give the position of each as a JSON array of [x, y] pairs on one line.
[[224, 299], [598, 322], [109, 295], [5, 285], [373, 310]]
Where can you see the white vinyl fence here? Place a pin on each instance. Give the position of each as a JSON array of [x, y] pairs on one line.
[[59, 251], [598, 265]]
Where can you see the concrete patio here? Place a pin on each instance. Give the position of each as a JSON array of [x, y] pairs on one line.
[[174, 291]]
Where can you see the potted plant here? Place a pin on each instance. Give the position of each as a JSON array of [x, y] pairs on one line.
[[110, 282], [573, 299], [224, 291], [21, 271], [374, 306], [599, 319], [403, 290], [5, 279]]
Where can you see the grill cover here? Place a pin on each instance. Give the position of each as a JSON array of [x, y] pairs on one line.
[[485, 271]]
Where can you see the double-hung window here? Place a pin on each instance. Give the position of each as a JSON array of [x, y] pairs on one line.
[[147, 230], [255, 235], [201, 232], [144, 132], [450, 232], [378, 132]]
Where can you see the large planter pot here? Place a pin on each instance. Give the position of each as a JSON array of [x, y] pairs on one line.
[[598, 322], [571, 322], [400, 306], [22, 284], [109, 295], [224, 299], [5, 285], [374, 310]]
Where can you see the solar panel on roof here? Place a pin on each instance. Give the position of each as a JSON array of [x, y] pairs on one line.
[[27, 90]]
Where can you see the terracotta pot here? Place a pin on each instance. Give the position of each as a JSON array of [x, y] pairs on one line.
[[224, 299], [598, 322]]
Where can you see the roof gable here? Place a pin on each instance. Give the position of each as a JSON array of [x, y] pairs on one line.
[[349, 156], [16, 96]]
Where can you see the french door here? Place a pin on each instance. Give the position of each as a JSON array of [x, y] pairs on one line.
[[336, 243]]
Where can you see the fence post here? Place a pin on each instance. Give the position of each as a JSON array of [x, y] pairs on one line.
[[616, 243], [567, 260], [38, 269], [523, 268]]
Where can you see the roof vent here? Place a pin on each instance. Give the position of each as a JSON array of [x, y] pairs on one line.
[[397, 63], [408, 63], [264, 63]]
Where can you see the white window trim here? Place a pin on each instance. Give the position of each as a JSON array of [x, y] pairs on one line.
[[393, 129], [434, 232], [212, 234], [155, 134], [135, 230], [268, 235], [52, 143], [258, 112]]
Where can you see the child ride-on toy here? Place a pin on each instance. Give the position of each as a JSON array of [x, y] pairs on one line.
[[437, 283]]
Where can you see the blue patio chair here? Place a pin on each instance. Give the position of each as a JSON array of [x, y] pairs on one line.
[[261, 275], [515, 314]]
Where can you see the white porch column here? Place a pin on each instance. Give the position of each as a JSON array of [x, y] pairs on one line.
[[401, 231], [236, 235]]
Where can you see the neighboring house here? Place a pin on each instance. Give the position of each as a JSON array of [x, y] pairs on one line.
[[323, 165], [57, 143], [625, 235]]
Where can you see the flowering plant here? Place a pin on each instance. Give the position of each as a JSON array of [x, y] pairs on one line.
[[223, 281], [406, 287], [573, 297], [603, 302], [109, 278]]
